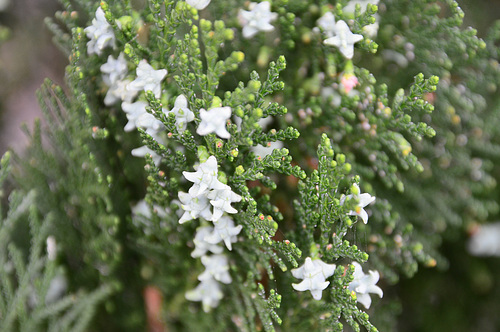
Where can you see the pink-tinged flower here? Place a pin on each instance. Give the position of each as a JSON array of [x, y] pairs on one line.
[[348, 81]]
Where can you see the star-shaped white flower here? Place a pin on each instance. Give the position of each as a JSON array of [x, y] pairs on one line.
[[201, 245], [327, 24], [114, 69], [363, 284], [133, 112], [198, 4], [194, 207], [208, 292], [259, 18], [150, 124], [205, 177], [216, 267], [221, 200], [100, 34], [183, 114], [224, 230], [143, 151], [344, 39], [148, 79], [314, 273], [363, 199], [119, 92], [214, 121]]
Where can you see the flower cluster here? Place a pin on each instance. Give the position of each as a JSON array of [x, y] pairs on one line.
[[209, 199]]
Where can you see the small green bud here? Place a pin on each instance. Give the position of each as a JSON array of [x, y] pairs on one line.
[[222, 177], [254, 85], [234, 152], [238, 56], [347, 168], [229, 35], [258, 113], [340, 158], [239, 170], [434, 80], [419, 78], [203, 154], [355, 189], [238, 111], [216, 102], [219, 25], [125, 21]]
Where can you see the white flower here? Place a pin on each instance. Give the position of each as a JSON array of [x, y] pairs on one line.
[[205, 177], [363, 284], [314, 273], [114, 70], [198, 4], [216, 267], [208, 292], [141, 215], [151, 125], [183, 114], [485, 241], [351, 6], [201, 246], [344, 39], [51, 248], [221, 200], [133, 112], [100, 34], [259, 18], [143, 151], [148, 79], [214, 121], [119, 92], [57, 289], [327, 24], [363, 199], [194, 207], [262, 151], [224, 230]]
